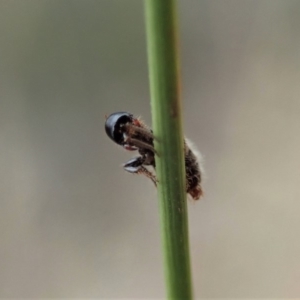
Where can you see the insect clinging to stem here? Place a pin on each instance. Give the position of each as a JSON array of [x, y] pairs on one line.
[[134, 135]]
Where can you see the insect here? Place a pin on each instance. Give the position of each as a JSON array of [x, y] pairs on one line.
[[134, 135]]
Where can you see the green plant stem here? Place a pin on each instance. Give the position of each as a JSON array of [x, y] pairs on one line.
[[167, 127]]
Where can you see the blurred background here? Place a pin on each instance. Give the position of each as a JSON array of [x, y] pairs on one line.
[[73, 223]]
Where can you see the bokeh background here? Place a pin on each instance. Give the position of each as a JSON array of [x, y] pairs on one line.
[[73, 223]]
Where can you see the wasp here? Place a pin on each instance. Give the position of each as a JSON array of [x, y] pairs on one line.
[[134, 135]]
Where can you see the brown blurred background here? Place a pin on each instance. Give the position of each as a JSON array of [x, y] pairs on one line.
[[73, 223]]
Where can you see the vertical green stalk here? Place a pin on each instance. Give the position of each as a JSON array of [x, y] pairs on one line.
[[161, 23]]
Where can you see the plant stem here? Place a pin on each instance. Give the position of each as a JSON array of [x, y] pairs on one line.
[[167, 127]]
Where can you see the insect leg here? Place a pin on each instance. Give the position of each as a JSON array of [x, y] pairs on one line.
[[135, 165], [137, 129], [140, 144], [148, 174]]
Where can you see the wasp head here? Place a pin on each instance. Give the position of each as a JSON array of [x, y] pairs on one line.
[[115, 126]]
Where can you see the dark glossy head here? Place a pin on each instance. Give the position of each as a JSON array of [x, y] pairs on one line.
[[113, 126]]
